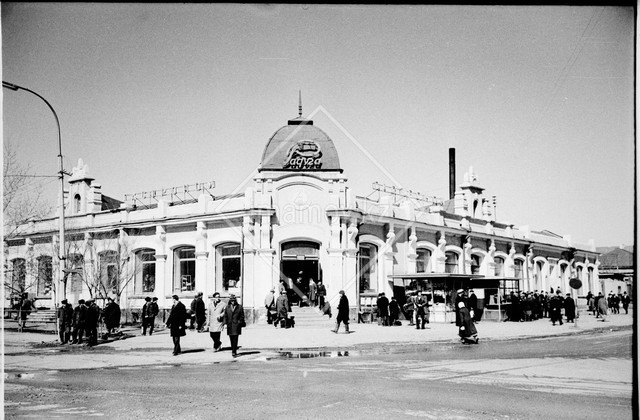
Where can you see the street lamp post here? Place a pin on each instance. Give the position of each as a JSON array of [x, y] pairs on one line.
[[62, 252]]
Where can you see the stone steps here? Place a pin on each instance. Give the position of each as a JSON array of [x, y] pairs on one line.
[[310, 317]]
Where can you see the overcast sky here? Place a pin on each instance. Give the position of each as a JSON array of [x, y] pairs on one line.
[[538, 99]]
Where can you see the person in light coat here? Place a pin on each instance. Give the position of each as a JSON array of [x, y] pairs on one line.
[[215, 320]]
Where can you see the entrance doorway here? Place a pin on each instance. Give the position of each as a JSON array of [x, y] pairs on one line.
[[300, 263]]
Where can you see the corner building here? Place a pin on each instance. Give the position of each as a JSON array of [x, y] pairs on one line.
[[298, 216]]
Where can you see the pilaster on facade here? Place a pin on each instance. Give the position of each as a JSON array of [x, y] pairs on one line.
[[162, 287], [201, 272], [349, 280], [440, 253], [412, 251]]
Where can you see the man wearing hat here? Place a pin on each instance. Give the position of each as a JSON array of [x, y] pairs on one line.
[[420, 304], [555, 308], [282, 310], [175, 322], [343, 313], [270, 304], [79, 322], [65, 320], [569, 308], [215, 318], [234, 320]]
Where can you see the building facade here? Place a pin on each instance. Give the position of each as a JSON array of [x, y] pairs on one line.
[[298, 218]]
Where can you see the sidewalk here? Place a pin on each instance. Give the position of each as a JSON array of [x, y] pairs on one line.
[[29, 351]]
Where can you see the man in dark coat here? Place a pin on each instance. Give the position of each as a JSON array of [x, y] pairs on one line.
[[146, 315], [111, 315], [322, 293], [270, 305], [555, 308], [420, 308], [65, 319], [394, 311], [93, 317], [79, 322], [626, 300], [383, 309], [282, 310], [175, 322], [467, 331], [234, 320], [343, 313], [201, 312], [569, 308]]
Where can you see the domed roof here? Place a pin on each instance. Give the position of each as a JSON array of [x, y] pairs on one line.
[[300, 146]]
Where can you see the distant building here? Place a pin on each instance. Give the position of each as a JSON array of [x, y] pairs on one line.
[[616, 271], [298, 218]]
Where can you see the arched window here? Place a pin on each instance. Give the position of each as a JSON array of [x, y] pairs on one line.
[[45, 275], [590, 278], [228, 265], [499, 266], [18, 275], [109, 271], [518, 268], [77, 204], [475, 264], [451, 262], [184, 269], [145, 278], [538, 273], [367, 268], [423, 261]]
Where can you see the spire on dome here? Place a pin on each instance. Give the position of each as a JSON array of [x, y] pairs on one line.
[[299, 104]]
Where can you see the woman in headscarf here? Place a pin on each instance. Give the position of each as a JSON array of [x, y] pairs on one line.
[[467, 330]]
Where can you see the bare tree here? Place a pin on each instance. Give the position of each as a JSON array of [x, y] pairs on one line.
[[23, 198], [108, 265]]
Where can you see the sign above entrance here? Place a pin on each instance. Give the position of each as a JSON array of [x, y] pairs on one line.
[[304, 155]]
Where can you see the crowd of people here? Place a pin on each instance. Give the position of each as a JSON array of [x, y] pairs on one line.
[[82, 322]]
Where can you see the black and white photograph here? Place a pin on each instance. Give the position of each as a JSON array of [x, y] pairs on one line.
[[319, 211]]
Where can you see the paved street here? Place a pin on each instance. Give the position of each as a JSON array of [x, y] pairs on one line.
[[576, 376], [519, 370]]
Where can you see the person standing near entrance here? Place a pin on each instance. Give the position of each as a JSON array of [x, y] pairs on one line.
[[313, 297], [270, 304], [394, 311], [382, 304], [343, 313], [282, 310], [175, 322], [322, 293], [234, 320], [215, 318]]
